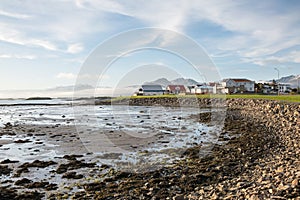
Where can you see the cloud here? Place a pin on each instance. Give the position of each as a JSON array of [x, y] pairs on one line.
[[29, 57], [14, 15], [75, 48], [255, 29], [66, 76], [11, 35], [86, 76], [290, 57]]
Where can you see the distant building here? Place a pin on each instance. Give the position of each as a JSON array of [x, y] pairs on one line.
[[176, 89], [237, 85], [201, 89], [272, 87], [285, 88], [148, 90]]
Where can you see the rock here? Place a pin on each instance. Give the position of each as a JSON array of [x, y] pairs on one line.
[[8, 125], [38, 163], [254, 197], [179, 197], [22, 141], [23, 181], [8, 161], [72, 175], [295, 182], [5, 170], [73, 164]]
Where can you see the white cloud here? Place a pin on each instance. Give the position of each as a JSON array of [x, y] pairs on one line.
[[291, 57], [86, 76], [29, 57], [66, 76], [14, 15], [11, 35], [75, 48], [256, 29]]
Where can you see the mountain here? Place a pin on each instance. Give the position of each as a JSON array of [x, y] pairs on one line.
[[71, 88], [182, 81], [179, 81], [292, 79]]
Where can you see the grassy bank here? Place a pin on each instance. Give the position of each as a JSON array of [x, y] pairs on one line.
[[288, 98]]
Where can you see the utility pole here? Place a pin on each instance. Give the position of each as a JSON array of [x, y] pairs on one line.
[[278, 85], [298, 85]]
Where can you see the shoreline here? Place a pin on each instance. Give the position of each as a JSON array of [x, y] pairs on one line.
[[260, 160]]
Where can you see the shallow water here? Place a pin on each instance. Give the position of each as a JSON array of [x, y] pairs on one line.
[[166, 128]]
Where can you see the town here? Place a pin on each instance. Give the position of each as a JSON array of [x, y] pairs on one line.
[[226, 86]]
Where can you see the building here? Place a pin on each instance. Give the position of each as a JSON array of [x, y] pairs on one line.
[[285, 88], [176, 89], [148, 90], [201, 89], [272, 87], [237, 85]]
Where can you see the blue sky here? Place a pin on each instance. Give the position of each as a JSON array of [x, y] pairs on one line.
[[43, 44]]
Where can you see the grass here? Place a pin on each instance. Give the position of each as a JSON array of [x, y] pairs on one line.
[[287, 98]]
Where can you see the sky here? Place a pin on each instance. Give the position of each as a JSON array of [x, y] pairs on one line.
[[45, 44]]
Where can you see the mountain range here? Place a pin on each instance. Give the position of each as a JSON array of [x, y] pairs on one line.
[[292, 79], [179, 81]]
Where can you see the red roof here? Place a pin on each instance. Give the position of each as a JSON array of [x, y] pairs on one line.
[[180, 88], [240, 80]]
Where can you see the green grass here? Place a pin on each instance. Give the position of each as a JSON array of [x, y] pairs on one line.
[[288, 98]]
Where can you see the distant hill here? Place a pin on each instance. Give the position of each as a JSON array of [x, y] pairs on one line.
[[179, 81], [39, 98], [292, 79], [70, 88]]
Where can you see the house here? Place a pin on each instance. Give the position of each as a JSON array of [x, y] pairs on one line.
[[285, 88], [176, 89], [272, 87], [238, 85], [148, 90], [263, 87], [201, 89]]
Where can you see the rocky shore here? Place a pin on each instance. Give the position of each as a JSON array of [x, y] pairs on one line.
[[260, 160]]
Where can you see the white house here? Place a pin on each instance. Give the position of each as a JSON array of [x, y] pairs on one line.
[[201, 89], [284, 87], [237, 85], [148, 90]]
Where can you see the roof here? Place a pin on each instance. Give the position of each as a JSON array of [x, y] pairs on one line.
[[176, 88], [238, 80], [152, 88]]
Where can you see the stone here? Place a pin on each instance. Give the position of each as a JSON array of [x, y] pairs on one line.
[[295, 182], [179, 197]]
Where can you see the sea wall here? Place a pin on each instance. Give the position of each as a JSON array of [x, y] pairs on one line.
[[170, 102], [282, 119]]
